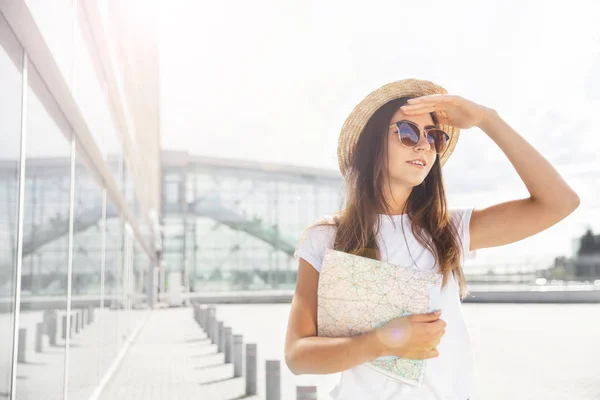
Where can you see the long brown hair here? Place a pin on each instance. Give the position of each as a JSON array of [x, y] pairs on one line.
[[358, 223]]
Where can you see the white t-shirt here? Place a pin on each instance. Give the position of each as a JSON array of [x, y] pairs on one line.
[[451, 375]]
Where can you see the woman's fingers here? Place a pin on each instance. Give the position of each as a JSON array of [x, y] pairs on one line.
[[443, 120], [424, 355], [420, 110], [439, 98], [416, 107], [420, 354], [432, 353]]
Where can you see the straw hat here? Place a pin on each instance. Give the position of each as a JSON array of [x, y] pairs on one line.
[[356, 121]]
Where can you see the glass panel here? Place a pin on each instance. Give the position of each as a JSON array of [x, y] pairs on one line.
[[89, 92], [111, 340], [87, 252], [10, 136], [142, 266], [45, 247], [227, 240], [125, 284], [115, 164]]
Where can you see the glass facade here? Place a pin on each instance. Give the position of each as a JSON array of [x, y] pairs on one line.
[[75, 251], [45, 256], [235, 226], [11, 56]]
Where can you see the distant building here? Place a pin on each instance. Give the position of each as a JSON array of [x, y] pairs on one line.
[[585, 265], [587, 262]]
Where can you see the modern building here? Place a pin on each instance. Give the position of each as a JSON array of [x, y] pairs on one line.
[[234, 225], [585, 265], [79, 190], [96, 224]]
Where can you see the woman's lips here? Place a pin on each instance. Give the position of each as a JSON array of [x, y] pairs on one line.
[[416, 165]]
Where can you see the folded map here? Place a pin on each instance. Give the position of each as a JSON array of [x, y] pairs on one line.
[[358, 294]]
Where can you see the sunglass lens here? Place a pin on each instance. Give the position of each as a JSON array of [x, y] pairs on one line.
[[409, 134], [438, 139]]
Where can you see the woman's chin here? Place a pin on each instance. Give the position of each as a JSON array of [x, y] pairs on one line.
[[417, 183], [415, 180], [407, 181]]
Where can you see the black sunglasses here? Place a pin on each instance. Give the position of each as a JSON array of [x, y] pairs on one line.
[[409, 134]]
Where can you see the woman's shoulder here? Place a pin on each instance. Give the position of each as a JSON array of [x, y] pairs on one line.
[[316, 239], [321, 230], [459, 215]]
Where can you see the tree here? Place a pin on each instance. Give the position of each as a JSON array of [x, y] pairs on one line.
[[560, 273]]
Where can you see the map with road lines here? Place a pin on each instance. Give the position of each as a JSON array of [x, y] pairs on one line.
[[358, 294]]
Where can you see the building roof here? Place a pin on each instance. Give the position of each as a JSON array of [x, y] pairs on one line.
[[176, 159]]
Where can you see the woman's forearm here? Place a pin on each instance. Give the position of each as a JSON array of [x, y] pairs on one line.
[[544, 183], [325, 355]]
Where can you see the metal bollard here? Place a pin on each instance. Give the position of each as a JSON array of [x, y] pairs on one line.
[[306, 393], [39, 337], [251, 367], [228, 345], [206, 312], [221, 337], [238, 356], [84, 317], [196, 308], [273, 380], [21, 351], [91, 310], [209, 323], [77, 320], [52, 328], [202, 317], [63, 334], [215, 332], [72, 329], [50, 321]]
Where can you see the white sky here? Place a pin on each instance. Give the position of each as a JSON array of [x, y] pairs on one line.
[[273, 81]]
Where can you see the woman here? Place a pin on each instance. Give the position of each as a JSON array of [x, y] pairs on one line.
[[391, 151]]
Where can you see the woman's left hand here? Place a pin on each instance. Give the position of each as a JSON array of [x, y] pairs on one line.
[[451, 110]]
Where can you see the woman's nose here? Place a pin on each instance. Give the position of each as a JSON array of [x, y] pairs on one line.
[[423, 143]]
